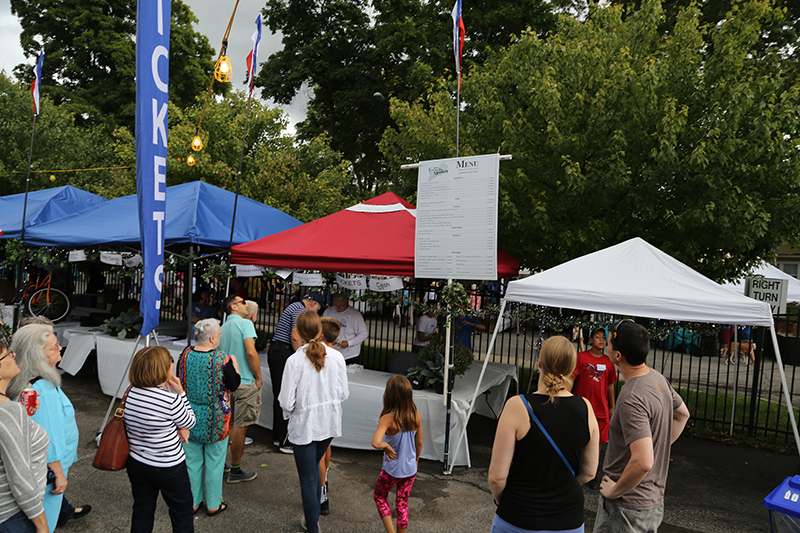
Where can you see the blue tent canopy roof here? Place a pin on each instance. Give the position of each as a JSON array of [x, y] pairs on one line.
[[197, 213], [43, 206]]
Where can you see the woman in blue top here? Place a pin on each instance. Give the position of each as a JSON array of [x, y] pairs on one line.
[[38, 352], [399, 435]]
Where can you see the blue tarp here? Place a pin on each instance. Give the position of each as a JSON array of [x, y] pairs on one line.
[[197, 213], [43, 206]]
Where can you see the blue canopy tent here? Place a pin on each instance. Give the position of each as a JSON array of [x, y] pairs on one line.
[[43, 206], [197, 213]]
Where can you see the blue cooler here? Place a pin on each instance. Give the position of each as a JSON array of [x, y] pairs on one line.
[[785, 502]]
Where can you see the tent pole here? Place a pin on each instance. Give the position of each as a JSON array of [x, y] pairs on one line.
[[188, 290], [121, 381], [448, 393], [786, 396], [488, 354], [735, 374]]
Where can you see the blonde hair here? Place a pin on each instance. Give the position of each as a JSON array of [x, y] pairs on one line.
[[330, 329], [150, 367], [309, 327], [252, 307], [557, 361]]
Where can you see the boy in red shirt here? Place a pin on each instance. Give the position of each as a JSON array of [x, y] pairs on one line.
[[593, 378]]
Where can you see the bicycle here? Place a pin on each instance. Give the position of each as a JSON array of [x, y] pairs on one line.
[[43, 300]]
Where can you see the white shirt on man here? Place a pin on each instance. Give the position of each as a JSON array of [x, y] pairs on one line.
[[427, 325], [354, 330]]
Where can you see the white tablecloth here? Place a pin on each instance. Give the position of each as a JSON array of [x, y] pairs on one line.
[[113, 355], [80, 341], [362, 410]]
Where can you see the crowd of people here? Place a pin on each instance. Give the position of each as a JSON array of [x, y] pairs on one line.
[[182, 416]]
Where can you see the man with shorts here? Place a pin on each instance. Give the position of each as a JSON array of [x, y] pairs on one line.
[[239, 338], [285, 342], [648, 418]]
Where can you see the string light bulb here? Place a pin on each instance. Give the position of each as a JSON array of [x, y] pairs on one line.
[[222, 70], [190, 160], [197, 143]]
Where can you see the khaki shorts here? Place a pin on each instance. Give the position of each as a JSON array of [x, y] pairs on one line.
[[246, 402]]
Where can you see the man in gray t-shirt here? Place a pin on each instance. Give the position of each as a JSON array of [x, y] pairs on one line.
[[648, 418]]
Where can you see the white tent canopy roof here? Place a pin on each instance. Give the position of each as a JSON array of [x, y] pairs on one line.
[[765, 270], [637, 279]]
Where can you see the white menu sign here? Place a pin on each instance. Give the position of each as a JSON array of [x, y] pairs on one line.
[[456, 234]]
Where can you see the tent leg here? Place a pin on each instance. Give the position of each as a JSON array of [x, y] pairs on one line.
[[735, 375], [114, 398], [488, 355], [786, 396]]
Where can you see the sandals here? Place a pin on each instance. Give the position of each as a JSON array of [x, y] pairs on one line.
[[199, 507], [221, 508]]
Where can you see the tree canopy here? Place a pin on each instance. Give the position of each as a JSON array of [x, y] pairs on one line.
[[686, 138], [90, 56]]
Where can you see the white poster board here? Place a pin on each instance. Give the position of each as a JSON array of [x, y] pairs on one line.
[[771, 291], [307, 280], [355, 283], [456, 234]]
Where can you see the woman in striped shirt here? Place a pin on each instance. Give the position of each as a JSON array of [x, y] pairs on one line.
[[157, 420], [23, 459]]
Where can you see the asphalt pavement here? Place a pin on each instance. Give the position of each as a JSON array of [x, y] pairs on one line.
[[712, 486]]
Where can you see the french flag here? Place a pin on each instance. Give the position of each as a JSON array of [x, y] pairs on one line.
[[252, 57], [458, 37], [37, 71]]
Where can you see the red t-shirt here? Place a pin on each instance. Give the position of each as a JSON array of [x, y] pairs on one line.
[[592, 377]]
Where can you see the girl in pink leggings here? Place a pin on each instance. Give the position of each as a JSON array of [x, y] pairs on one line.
[[399, 435]]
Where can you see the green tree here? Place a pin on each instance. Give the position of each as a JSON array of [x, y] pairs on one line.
[[90, 61], [346, 51], [618, 129], [58, 144]]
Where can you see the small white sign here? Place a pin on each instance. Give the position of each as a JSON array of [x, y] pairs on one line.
[[249, 271], [77, 255], [385, 285], [356, 283], [132, 261], [111, 259], [7, 314], [308, 280], [771, 291], [283, 273]]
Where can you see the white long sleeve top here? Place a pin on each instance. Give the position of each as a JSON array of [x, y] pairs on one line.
[[354, 330]]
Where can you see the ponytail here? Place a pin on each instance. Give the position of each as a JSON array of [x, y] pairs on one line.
[[309, 326], [557, 359]]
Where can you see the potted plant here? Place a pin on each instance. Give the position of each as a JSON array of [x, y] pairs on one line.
[[126, 325], [430, 364]]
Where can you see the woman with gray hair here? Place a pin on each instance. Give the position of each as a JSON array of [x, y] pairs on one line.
[[208, 375], [38, 351]]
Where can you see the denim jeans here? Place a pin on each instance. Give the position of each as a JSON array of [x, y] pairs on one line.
[[173, 483], [306, 458], [19, 523]]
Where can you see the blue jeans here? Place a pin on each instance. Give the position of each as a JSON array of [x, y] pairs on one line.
[[173, 483], [306, 458], [19, 523], [501, 526]]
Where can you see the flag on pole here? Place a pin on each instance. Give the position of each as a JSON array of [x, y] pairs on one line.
[[37, 82], [252, 57], [458, 36]]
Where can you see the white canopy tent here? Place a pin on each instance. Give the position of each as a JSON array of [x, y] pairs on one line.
[[634, 278], [765, 270]]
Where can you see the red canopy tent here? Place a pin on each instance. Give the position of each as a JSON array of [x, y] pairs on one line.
[[374, 237]]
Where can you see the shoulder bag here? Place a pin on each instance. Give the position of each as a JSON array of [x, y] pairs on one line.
[[112, 454]]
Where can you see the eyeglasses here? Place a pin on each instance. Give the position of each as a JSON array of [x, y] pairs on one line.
[[8, 353], [237, 302], [616, 326]]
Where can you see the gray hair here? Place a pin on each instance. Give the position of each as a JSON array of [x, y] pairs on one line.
[[28, 320], [252, 307], [28, 343], [204, 329]]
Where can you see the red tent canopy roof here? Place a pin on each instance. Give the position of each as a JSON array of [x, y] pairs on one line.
[[373, 237]]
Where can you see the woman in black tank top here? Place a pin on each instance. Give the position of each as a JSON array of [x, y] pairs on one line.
[[536, 487]]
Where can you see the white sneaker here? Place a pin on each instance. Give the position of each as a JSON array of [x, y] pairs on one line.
[[248, 440]]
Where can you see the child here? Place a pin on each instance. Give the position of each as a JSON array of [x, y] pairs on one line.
[[593, 378], [401, 426], [330, 331]]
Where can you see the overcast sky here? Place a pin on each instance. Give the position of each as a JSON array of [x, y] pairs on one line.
[[213, 16]]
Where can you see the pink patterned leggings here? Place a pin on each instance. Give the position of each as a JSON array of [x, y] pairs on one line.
[[382, 488]]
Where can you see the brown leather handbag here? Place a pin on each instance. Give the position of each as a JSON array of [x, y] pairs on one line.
[[112, 454]]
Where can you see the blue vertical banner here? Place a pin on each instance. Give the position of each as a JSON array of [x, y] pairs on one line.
[[152, 88]]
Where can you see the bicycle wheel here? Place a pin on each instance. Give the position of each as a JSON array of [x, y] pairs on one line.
[[55, 307]]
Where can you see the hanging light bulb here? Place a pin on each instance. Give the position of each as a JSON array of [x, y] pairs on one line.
[[190, 160], [222, 70], [197, 143]]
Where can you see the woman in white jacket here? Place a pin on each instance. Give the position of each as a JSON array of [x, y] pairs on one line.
[[313, 388]]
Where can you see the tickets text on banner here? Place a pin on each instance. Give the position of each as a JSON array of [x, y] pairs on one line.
[[357, 283], [152, 88]]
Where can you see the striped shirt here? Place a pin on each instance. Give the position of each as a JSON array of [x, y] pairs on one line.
[[23, 462], [288, 320], [152, 417]]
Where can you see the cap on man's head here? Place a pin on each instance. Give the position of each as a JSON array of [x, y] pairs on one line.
[[316, 297]]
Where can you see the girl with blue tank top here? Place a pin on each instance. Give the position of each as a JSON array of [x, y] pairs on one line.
[[399, 435]]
